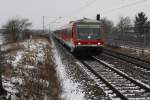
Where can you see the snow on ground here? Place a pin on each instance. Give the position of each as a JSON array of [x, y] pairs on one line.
[[30, 46], [100, 83], [70, 90], [146, 85], [17, 58], [9, 86], [25, 70], [38, 46], [29, 67]]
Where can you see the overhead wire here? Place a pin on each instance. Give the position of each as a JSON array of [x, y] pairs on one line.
[[91, 2], [88, 3], [106, 12], [125, 6], [79, 10]]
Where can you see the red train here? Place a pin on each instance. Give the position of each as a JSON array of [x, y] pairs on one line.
[[82, 35]]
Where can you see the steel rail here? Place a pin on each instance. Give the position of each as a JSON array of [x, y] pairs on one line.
[[142, 85], [143, 62], [110, 85], [127, 56], [118, 93]]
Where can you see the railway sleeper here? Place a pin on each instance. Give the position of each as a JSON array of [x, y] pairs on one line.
[[114, 75], [105, 71], [128, 88], [133, 91], [138, 97], [120, 80], [108, 75], [130, 60], [123, 85], [114, 82], [141, 95], [113, 78], [148, 98]]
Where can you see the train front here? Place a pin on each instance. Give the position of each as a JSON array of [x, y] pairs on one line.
[[88, 37]]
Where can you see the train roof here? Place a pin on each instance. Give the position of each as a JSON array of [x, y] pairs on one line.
[[86, 20]]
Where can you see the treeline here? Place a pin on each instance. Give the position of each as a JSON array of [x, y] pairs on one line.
[[20, 28], [17, 29], [137, 27]]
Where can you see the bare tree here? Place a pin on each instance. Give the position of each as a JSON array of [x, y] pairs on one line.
[[109, 25], [16, 27], [124, 24]]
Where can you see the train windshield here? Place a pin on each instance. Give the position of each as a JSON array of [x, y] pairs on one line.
[[88, 31]]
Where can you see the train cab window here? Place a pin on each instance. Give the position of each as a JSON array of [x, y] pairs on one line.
[[88, 31]]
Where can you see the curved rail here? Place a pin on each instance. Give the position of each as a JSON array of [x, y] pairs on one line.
[[133, 60], [118, 79], [105, 81], [123, 86]]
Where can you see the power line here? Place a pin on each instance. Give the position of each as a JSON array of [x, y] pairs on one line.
[[84, 7], [112, 10], [125, 6], [55, 20], [89, 3], [43, 24], [79, 10]]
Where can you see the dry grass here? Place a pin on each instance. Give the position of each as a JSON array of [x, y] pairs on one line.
[[39, 82]]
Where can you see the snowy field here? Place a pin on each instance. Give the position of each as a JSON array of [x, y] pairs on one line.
[[29, 71]]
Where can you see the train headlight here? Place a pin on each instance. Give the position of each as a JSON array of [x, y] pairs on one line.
[[79, 43], [99, 43]]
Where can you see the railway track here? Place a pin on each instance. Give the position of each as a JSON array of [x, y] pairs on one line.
[[133, 60], [118, 85], [123, 86]]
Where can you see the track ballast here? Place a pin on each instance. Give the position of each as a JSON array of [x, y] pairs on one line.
[[133, 60], [125, 87]]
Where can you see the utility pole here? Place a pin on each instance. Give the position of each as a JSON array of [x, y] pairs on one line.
[[43, 24], [49, 25]]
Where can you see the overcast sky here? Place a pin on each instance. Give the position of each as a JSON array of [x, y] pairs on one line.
[[65, 10]]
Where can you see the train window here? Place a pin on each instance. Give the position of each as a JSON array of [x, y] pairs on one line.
[[88, 31], [67, 32]]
